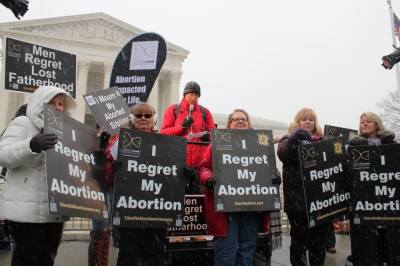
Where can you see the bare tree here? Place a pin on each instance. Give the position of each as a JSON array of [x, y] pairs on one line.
[[391, 112]]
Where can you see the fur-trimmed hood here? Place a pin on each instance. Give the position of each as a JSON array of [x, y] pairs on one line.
[[42, 95]]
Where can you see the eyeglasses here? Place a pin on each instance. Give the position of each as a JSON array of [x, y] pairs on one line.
[[147, 116], [237, 119]]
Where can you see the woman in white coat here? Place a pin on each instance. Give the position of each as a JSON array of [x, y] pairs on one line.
[[36, 233]]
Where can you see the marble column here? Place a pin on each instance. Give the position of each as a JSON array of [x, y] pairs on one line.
[[81, 88]]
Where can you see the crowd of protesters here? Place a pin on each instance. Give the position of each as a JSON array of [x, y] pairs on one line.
[[37, 234]]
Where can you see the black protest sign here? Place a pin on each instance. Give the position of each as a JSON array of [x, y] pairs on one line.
[[324, 180], [149, 188], [193, 219], [72, 188], [340, 132], [109, 108], [376, 181], [137, 66], [28, 66], [243, 166]]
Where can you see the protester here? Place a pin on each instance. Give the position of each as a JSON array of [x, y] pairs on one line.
[[36, 232], [193, 122], [373, 245], [304, 129], [137, 245], [5, 237], [100, 234], [235, 234]]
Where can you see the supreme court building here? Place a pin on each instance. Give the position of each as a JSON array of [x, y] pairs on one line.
[[96, 39]]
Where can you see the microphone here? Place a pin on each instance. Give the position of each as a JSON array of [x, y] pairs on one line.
[[191, 107]]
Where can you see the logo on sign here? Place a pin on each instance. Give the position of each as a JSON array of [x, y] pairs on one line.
[[338, 148], [360, 159], [221, 140], [90, 100], [263, 139], [130, 144], [309, 157]]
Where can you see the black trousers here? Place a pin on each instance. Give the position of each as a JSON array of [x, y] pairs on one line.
[[331, 237], [374, 246], [36, 244], [313, 239], [138, 246]]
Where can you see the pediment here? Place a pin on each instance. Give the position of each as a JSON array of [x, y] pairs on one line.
[[96, 28]]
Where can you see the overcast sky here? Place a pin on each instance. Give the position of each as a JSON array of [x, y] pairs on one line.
[[269, 57]]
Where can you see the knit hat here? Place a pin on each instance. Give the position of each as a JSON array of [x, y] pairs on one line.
[[192, 86]]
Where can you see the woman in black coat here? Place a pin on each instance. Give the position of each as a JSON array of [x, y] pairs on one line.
[[373, 245], [304, 129]]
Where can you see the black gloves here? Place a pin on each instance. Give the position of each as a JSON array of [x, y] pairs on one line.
[[210, 183], [276, 178], [104, 136], [387, 137], [187, 122], [298, 135], [205, 137], [189, 173], [358, 141], [42, 142]]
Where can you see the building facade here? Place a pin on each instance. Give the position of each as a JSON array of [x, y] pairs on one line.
[[96, 40]]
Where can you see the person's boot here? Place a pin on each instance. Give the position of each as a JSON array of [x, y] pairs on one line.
[[103, 248], [91, 249]]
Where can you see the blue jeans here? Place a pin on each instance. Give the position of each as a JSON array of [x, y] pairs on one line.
[[237, 248]]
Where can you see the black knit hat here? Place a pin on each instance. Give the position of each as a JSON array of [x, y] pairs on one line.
[[192, 86]]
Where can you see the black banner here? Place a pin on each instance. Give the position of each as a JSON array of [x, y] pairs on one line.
[[194, 220], [324, 180], [150, 187], [137, 66], [243, 166], [109, 109], [28, 66], [340, 132], [72, 190], [376, 181]]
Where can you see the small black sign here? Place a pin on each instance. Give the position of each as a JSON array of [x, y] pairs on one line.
[[109, 108], [72, 190], [28, 66], [376, 181], [340, 132], [324, 180], [243, 166], [137, 66], [194, 220], [150, 187]]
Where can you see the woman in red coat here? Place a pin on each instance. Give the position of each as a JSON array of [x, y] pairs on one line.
[[235, 234]]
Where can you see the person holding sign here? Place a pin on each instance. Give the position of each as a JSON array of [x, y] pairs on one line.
[[137, 244], [235, 234], [304, 129], [373, 245], [193, 122], [36, 233]]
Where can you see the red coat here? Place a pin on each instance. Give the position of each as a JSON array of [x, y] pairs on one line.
[[217, 221], [173, 127]]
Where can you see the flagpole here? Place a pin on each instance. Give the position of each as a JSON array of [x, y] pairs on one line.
[[389, 2]]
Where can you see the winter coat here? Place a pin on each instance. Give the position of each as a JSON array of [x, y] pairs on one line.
[[217, 222], [25, 191], [172, 126], [293, 189]]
